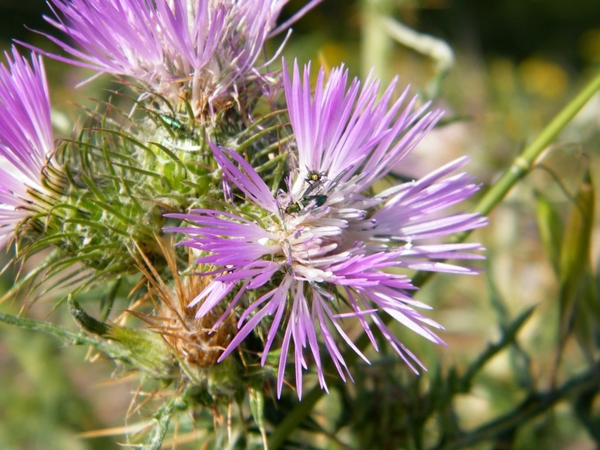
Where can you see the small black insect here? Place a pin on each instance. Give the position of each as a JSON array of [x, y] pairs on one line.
[[173, 123], [319, 199], [293, 208], [313, 176], [296, 207]]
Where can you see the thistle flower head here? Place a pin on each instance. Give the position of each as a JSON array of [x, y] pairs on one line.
[[26, 138], [319, 252], [200, 51], [189, 338]]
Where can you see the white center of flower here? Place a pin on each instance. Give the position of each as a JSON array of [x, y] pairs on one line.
[[264, 241], [316, 226]]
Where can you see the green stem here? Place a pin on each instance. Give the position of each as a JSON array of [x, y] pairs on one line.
[[492, 350], [523, 163], [162, 419], [294, 418], [519, 168], [436, 49], [376, 43], [535, 403], [63, 334]]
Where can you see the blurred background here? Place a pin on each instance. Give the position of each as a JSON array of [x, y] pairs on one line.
[[513, 64]]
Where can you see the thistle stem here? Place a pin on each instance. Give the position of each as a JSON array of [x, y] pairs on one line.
[[534, 404], [291, 421], [376, 42], [523, 163]]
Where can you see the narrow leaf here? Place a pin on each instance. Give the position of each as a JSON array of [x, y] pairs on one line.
[[550, 228]]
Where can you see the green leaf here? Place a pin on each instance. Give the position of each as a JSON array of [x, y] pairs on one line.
[[86, 322], [144, 349], [576, 298], [586, 322], [67, 336], [257, 407], [550, 228], [30, 276]]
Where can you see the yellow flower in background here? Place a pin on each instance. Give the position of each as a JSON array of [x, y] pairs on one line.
[[543, 77]]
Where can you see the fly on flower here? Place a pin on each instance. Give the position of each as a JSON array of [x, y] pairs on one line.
[[173, 123], [313, 176], [293, 208], [297, 275], [319, 199], [307, 200]]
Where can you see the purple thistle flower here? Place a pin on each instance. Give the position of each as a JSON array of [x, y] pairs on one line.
[[26, 138], [202, 51], [320, 251]]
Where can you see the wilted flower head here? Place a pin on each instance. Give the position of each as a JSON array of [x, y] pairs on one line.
[[26, 138], [318, 252], [200, 51]]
